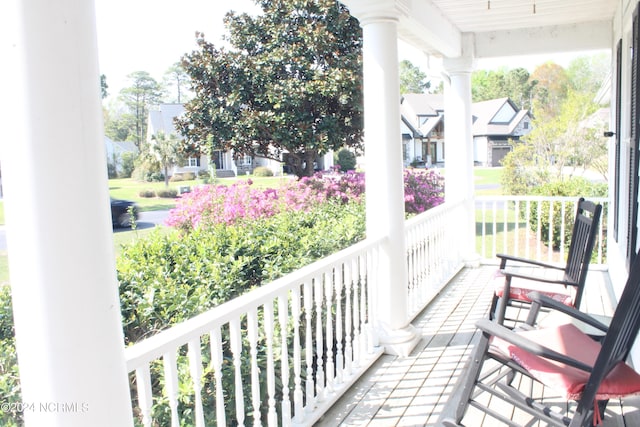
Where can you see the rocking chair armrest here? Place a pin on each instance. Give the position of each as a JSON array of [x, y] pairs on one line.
[[494, 329], [504, 258], [540, 300], [510, 275]]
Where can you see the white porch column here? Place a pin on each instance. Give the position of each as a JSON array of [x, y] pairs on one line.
[[384, 169], [61, 259], [459, 185]]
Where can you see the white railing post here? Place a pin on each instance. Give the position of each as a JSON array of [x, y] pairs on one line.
[[283, 315]]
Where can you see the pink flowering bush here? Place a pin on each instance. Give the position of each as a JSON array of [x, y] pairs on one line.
[[423, 190], [210, 205]]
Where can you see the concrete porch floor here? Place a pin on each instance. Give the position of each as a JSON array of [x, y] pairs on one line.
[[413, 391]]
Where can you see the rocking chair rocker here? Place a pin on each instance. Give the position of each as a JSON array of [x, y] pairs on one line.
[[516, 287], [562, 358]]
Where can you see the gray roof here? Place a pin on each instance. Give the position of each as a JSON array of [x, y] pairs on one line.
[[161, 119], [120, 146], [496, 117], [422, 111]]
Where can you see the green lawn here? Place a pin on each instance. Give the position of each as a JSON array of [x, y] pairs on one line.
[[487, 175]]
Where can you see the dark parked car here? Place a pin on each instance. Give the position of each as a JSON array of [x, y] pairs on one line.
[[120, 212]]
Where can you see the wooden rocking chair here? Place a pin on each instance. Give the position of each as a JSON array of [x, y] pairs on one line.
[[513, 287], [586, 370]]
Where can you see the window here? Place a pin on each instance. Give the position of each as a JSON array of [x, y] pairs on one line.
[[247, 161], [193, 162]]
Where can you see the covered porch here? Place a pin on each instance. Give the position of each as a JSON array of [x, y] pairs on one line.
[[286, 353], [413, 391]]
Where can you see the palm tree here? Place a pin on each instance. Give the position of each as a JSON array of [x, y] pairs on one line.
[[165, 149]]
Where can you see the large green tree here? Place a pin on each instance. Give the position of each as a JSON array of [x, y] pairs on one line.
[[290, 86], [511, 83], [586, 73], [143, 92], [412, 79], [551, 88], [557, 145], [177, 79]]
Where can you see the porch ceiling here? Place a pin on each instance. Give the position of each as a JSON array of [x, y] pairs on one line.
[[506, 27]]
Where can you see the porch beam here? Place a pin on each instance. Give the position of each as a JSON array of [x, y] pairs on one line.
[[61, 258], [384, 171], [419, 23], [539, 40]]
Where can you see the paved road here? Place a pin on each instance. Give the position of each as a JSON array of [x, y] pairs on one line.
[[146, 220]]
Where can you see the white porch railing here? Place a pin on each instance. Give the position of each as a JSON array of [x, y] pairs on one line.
[[285, 352], [434, 255], [279, 355], [513, 225]]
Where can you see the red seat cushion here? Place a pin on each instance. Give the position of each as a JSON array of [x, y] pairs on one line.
[[520, 289], [569, 340]]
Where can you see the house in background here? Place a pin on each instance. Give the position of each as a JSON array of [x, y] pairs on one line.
[[115, 151], [422, 126], [495, 122], [161, 119]]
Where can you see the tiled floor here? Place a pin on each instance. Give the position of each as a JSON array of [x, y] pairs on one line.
[[412, 391]]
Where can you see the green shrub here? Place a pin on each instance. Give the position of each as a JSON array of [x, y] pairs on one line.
[[262, 171], [128, 164], [147, 193], [169, 278], [9, 377], [572, 187], [345, 159], [176, 177], [111, 170], [167, 193]]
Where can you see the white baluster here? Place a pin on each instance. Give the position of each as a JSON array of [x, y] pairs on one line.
[[339, 285], [357, 331], [319, 335], [330, 370], [283, 315], [308, 312], [252, 331], [145, 398], [272, 418], [517, 228], [505, 226], [348, 317], [366, 303], [550, 242], [298, 397], [236, 348], [216, 361], [171, 385], [195, 368]]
